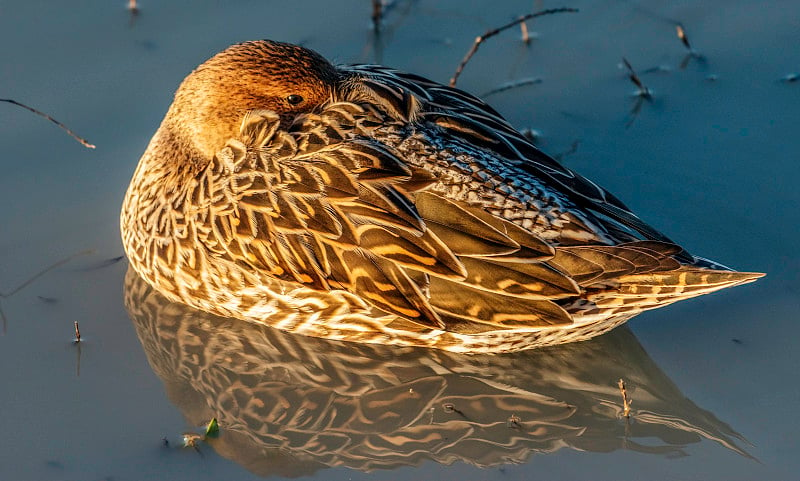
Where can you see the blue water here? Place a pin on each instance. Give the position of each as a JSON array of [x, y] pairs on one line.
[[711, 161]]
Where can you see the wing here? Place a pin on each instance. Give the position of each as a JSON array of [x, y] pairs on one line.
[[323, 206], [465, 116]]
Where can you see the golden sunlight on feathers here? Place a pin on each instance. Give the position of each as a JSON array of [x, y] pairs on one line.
[[382, 207]]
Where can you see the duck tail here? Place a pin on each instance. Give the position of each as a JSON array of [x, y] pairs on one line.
[[656, 289]]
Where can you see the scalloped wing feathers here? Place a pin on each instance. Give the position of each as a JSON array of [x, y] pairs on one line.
[[325, 205]]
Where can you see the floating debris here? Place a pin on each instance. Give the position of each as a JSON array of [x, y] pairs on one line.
[[512, 85], [212, 430], [47, 300], [191, 440], [533, 135], [526, 35], [684, 38], [789, 78], [101, 264], [377, 15], [72, 134], [643, 91], [626, 402], [77, 333], [712, 77], [514, 422], [491, 33]]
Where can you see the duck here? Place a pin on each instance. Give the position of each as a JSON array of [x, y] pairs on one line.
[[365, 204]]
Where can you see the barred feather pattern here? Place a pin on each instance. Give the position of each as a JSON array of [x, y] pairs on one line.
[[400, 212]]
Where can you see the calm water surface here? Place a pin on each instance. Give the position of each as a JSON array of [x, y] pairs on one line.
[[712, 161]]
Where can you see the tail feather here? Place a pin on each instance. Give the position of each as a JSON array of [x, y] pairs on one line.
[[647, 291]]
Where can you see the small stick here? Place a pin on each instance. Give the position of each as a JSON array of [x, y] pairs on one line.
[[77, 332], [495, 31], [682, 35], [377, 14], [83, 141], [626, 402], [512, 85], [526, 36], [43, 272], [643, 91]]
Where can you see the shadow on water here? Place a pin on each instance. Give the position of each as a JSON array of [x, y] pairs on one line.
[[292, 405]]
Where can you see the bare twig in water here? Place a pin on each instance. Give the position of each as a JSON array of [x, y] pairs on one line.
[[526, 36], [77, 333], [100, 264], [642, 91], [512, 85], [682, 35], [626, 402], [491, 33], [692, 53], [72, 134], [133, 8], [43, 272], [377, 15], [6, 295]]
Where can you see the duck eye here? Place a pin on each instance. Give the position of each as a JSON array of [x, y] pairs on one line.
[[294, 99]]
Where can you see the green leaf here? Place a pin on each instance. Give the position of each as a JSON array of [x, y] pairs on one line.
[[212, 430]]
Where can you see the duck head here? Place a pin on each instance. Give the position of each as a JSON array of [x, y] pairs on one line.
[[212, 101]]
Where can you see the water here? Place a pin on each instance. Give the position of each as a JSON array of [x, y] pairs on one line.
[[712, 163]]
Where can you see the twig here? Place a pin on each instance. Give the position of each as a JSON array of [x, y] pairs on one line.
[[83, 141], [377, 14], [45, 271], [133, 8], [77, 333], [495, 31], [626, 402], [526, 36], [28, 282], [682, 35], [643, 90], [512, 85], [514, 422]]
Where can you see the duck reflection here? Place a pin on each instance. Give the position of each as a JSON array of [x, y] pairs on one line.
[[290, 405]]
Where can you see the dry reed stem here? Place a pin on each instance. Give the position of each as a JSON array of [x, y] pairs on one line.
[[495, 31], [377, 14], [77, 332], [512, 85], [682, 35], [643, 90], [626, 402], [526, 36], [72, 134]]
